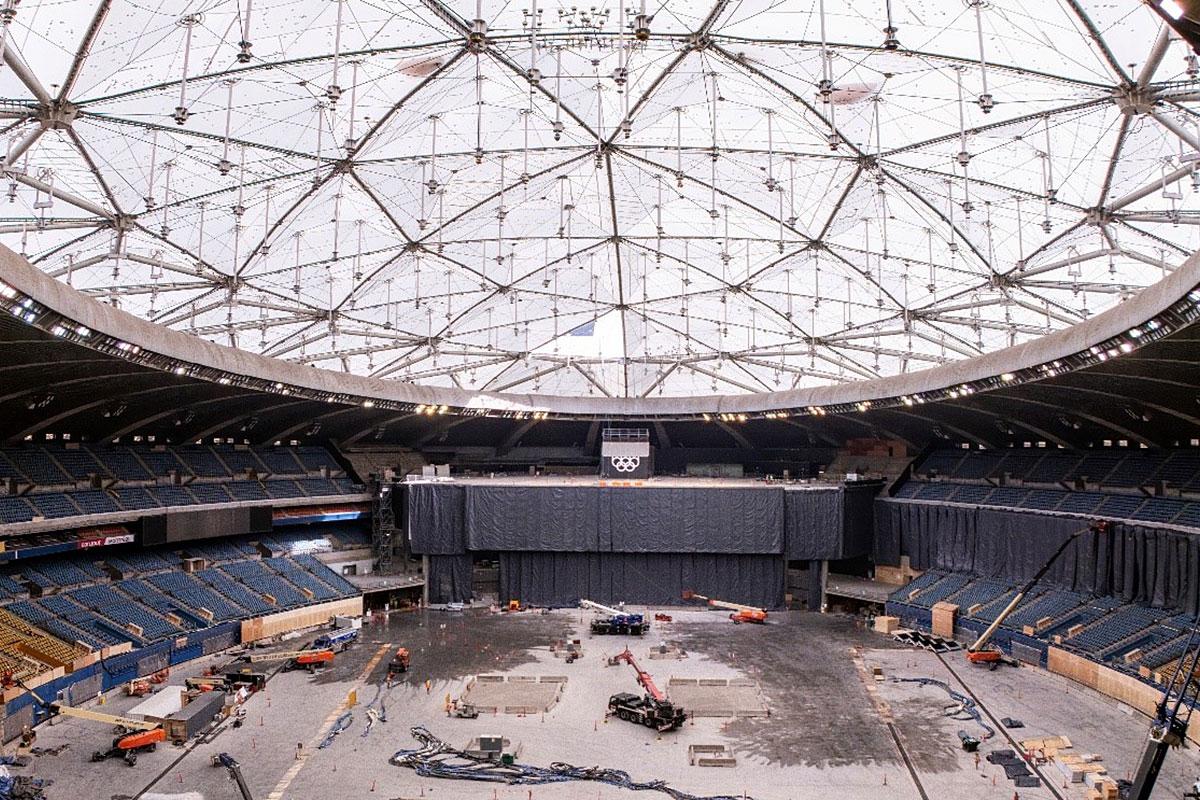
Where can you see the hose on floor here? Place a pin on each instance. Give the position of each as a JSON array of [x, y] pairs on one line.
[[963, 707], [436, 759]]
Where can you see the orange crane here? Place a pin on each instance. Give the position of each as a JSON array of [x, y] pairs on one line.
[[982, 651], [741, 613]]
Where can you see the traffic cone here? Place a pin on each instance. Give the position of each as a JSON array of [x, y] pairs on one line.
[[372, 786]]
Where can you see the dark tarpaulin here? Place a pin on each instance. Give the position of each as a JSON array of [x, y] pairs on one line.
[[1134, 562], [436, 518], [692, 520], [814, 523], [449, 579], [886, 549], [562, 579], [551, 518], [858, 518]]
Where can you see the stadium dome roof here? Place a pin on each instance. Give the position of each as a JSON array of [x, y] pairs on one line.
[[676, 198]]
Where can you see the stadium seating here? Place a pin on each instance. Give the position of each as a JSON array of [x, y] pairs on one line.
[[195, 594], [202, 462], [239, 461], [280, 461], [1121, 483], [77, 462], [235, 591], [162, 463], [53, 505], [262, 580], [15, 509], [121, 463]]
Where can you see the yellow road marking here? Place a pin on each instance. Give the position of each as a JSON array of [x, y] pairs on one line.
[[326, 726]]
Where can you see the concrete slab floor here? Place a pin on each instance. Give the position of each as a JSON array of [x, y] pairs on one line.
[[828, 734]]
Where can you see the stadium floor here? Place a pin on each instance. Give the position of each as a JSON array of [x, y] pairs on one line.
[[827, 735]]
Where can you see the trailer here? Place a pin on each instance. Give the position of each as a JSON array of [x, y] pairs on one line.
[[194, 717], [618, 622]]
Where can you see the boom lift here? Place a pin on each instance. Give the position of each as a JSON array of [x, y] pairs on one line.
[[133, 735], [653, 709], [741, 613], [235, 771], [296, 659], [981, 652], [618, 622], [1170, 724]]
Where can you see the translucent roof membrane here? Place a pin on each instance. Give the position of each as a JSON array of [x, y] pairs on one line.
[[669, 198]]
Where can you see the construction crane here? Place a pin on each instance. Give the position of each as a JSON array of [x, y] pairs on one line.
[[618, 621], [235, 771], [133, 735], [741, 613], [653, 709], [1170, 724], [986, 654], [308, 659]]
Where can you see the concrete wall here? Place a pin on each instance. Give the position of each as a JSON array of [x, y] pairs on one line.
[[307, 617]]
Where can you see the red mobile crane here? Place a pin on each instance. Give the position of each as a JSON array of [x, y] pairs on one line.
[[653, 709]]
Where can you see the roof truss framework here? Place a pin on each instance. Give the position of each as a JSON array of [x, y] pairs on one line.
[[737, 203]]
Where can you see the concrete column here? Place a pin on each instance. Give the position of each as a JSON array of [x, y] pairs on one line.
[[818, 575], [425, 585]]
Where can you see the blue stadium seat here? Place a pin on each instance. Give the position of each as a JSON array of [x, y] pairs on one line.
[[209, 493], [94, 502], [1007, 496], [195, 594], [202, 461], [941, 462], [121, 463], [282, 489], [314, 458], [135, 498], [172, 495], [318, 487], [15, 509], [1180, 469], [1043, 499], [1081, 502], [239, 461], [327, 575], [77, 462], [236, 592], [53, 505], [1120, 506], [280, 460], [162, 462], [246, 490], [1053, 467], [970, 493], [978, 465], [936, 491], [35, 466], [256, 576], [1135, 469]]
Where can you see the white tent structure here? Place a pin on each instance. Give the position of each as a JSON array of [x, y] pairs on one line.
[[672, 197]]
